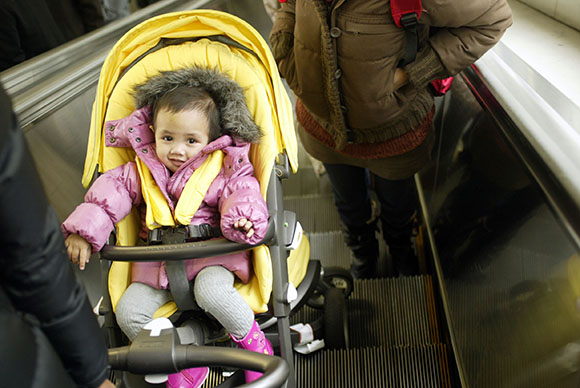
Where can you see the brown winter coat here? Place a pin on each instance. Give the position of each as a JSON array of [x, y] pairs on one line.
[[340, 62]]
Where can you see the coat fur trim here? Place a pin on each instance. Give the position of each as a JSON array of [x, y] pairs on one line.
[[228, 95]]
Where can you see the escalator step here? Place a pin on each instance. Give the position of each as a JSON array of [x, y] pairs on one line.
[[377, 367], [329, 248], [387, 312], [306, 182], [316, 212]]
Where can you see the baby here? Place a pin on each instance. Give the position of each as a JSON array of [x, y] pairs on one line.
[[183, 117]]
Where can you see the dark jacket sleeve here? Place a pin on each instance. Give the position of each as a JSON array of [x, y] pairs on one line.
[[34, 269], [11, 50]]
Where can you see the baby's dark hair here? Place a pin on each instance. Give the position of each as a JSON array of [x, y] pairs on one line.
[[191, 98]]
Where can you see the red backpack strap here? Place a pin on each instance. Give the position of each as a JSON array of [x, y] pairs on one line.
[[406, 14], [406, 11]]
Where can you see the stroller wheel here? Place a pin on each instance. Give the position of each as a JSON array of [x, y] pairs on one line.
[[335, 320], [333, 277]]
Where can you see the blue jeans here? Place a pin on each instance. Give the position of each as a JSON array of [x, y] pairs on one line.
[[398, 202]]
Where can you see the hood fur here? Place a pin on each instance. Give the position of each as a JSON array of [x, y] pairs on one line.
[[228, 95]]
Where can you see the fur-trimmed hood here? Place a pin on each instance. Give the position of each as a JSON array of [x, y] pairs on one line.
[[235, 118]]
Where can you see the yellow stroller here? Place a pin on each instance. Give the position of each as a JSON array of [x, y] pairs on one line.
[[284, 277]]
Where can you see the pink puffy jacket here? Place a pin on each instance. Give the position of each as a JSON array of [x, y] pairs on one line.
[[235, 193]]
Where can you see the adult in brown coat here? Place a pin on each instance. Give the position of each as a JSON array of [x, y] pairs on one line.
[[362, 113]]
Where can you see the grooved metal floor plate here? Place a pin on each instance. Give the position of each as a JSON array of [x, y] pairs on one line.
[[387, 312], [376, 367], [316, 212], [329, 248], [306, 182]]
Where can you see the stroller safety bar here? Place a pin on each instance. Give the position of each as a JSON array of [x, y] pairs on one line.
[[183, 251], [160, 353]]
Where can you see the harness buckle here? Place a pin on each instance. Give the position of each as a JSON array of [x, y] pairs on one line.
[[201, 232], [181, 234]]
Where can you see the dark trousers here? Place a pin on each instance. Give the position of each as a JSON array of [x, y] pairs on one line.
[[398, 203]]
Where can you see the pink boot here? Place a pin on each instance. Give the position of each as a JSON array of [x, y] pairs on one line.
[[188, 378], [257, 342]]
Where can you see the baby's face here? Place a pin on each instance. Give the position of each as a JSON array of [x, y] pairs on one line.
[[180, 136]]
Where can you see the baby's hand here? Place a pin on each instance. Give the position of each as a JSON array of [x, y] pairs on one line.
[[246, 226], [78, 249]]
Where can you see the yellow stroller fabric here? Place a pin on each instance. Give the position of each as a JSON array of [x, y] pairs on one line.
[[158, 212], [250, 63]]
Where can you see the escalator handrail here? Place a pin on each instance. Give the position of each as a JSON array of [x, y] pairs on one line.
[[75, 63]]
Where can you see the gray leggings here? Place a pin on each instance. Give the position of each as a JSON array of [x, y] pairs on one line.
[[214, 292]]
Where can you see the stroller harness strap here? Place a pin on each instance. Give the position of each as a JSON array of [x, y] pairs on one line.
[[158, 212], [181, 234]]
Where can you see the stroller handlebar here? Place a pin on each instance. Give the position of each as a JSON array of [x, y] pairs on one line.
[[182, 251], [161, 354]]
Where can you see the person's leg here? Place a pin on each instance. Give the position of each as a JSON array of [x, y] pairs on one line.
[[398, 199], [351, 189], [215, 293], [137, 306]]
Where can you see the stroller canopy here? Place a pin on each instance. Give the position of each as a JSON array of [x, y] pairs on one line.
[[246, 59]]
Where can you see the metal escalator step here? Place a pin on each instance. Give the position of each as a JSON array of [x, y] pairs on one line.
[[306, 182], [390, 312], [214, 378], [377, 367], [316, 212], [387, 312], [329, 248]]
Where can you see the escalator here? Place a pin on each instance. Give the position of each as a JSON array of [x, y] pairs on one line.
[[495, 304]]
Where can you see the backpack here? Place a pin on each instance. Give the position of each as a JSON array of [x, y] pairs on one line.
[[406, 14]]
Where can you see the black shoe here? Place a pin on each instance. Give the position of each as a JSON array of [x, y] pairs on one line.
[[364, 269], [364, 246], [405, 264]]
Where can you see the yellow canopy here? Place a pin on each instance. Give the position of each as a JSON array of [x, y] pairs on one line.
[[275, 120]]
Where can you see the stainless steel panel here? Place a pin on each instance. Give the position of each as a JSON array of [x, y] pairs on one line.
[[58, 145], [548, 119], [506, 254]]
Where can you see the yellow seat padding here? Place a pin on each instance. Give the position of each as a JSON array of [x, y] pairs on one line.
[[158, 211]]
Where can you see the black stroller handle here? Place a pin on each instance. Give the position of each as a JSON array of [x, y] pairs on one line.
[[275, 369], [182, 251]]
